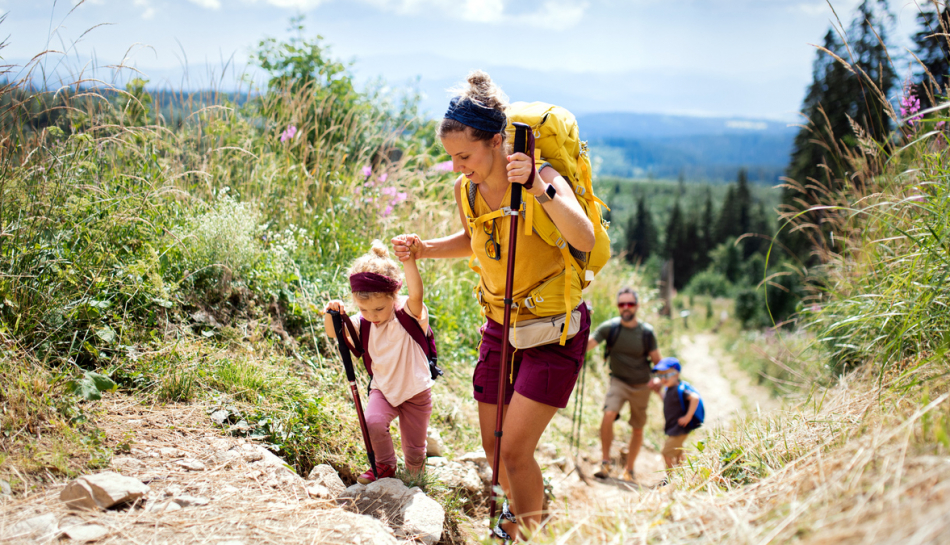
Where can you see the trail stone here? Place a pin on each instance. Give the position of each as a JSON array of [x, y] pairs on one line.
[[480, 461], [433, 443], [191, 501], [547, 450], [102, 490], [173, 490], [86, 532], [5, 489], [458, 476], [409, 511], [39, 527], [220, 417], [191, 464], [326, 476], [315, 490], [170, 452], [269, 458], [163, 506]]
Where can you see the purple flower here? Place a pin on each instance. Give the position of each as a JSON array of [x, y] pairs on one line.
[[390, 191], [288, 133], [367, 171], [387, 211], [910, 105], [444, 167], [815, 308], [383, 177], [400, 198]]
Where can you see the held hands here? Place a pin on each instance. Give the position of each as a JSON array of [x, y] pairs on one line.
[[407, 247], [520, 167], [655, 385]]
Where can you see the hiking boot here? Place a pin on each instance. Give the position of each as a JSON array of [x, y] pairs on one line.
[[604, 472], [383, 470], [628, 476]]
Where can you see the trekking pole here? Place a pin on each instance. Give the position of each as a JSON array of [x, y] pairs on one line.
[[524, 143], [351, 377]]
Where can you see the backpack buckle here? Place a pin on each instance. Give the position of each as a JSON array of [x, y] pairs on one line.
[[580, 190], [529, 303], [560, 243], [507, 211]]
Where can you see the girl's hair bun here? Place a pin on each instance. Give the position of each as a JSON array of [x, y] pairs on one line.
[[380, 249]]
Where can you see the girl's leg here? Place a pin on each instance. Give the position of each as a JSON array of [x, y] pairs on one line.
[[413, 424], [526, 421], [379, 414]]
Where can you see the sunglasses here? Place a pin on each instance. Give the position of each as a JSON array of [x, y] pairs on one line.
[[626, 305], [665, 375], [492, 248]]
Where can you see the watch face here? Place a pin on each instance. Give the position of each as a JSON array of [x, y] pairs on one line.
[[551, 191]]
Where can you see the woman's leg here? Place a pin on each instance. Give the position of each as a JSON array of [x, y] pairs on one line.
[[379, 414], [413, 424], [524, 423], [486, 422]]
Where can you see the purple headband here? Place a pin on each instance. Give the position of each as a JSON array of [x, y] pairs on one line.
[[374, 283]]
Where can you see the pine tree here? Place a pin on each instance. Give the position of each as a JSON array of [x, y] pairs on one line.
[[727, 225], [641, 233], [837, 97], [707, 236], [679, 246], [932, 47]]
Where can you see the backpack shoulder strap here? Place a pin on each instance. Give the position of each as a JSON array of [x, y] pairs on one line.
[[414, 328], [612, 337], [681, 390], [364, 341]]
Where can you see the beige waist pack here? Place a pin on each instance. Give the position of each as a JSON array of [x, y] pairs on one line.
[[546, 330]]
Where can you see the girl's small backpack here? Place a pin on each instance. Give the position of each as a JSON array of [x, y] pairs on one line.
[[425, 339]]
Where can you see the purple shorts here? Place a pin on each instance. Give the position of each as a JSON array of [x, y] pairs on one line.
[[545, 373]]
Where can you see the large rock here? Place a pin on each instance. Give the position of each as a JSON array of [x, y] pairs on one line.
[[411, 513], [102, 491], [326, 476], [457, 476]]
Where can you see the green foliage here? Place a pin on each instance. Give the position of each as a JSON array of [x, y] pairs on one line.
[[91, 386], [710, 282]]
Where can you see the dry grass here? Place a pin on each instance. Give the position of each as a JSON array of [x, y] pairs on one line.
[[857, 464]]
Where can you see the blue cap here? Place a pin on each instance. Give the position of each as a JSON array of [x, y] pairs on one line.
[[666, 364]]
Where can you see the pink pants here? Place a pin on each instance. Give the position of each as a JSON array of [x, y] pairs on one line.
[[413, 423]]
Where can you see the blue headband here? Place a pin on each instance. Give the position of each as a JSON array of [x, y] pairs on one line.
[[471, 114]]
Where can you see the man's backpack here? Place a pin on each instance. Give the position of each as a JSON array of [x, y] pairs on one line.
[[557, 142], [615, 334], [426, 340], [700, 415]]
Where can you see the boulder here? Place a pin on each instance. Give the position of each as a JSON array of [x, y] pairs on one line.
[[102, 491], [457, 476], [41, 527], [318, 491], [326, 476], [411, 513], [480, 461]]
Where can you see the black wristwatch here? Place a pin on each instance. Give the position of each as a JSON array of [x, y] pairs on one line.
[[548, 194]]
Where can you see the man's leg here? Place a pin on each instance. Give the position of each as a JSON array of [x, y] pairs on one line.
[[606, 439], [636, 441]]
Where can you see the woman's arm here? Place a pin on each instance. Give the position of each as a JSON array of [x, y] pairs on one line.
[[564, 210], [453, 246]]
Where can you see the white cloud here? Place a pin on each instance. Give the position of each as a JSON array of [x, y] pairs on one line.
[[296, 4], [148, 11], [208, 4], [552, 14]]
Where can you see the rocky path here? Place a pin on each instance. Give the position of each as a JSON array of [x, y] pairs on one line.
[[727, 391]]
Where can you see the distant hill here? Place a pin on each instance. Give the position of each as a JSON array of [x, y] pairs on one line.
[[634, 145]]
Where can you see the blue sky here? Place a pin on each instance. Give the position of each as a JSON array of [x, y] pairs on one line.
[[748, 58]]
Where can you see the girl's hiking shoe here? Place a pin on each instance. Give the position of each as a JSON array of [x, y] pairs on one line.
[[383, 470]]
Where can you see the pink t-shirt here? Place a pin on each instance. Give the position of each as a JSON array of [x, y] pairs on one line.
[[400, 367]]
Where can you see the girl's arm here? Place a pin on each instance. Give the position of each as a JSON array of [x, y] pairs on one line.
[[413, 278], [564, 210], [452, 246]]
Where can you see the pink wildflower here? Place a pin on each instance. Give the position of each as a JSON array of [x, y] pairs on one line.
[[910, 105], [390, 191], [387, 211], [383, 177], [288, 133], [400, 198], [367, 171], [444, 167]]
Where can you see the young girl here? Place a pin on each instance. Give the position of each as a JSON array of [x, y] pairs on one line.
[[402, 383]]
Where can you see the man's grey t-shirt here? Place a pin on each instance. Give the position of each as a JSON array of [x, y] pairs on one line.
[[629, 358]]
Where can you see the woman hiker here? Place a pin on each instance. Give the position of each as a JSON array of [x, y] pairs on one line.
[[542, 377]]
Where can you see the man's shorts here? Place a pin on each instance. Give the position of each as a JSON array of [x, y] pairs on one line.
[[637, 395], [545, 373], [673, 447]]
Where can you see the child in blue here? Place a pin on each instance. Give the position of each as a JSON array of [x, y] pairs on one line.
[[682, 407]]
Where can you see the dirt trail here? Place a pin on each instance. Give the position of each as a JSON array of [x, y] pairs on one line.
[[726, 390]]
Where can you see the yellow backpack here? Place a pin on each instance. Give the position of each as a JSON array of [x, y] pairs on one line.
[[556, 142]]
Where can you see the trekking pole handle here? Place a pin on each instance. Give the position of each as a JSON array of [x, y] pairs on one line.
[[344, 351], [524, 143]]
